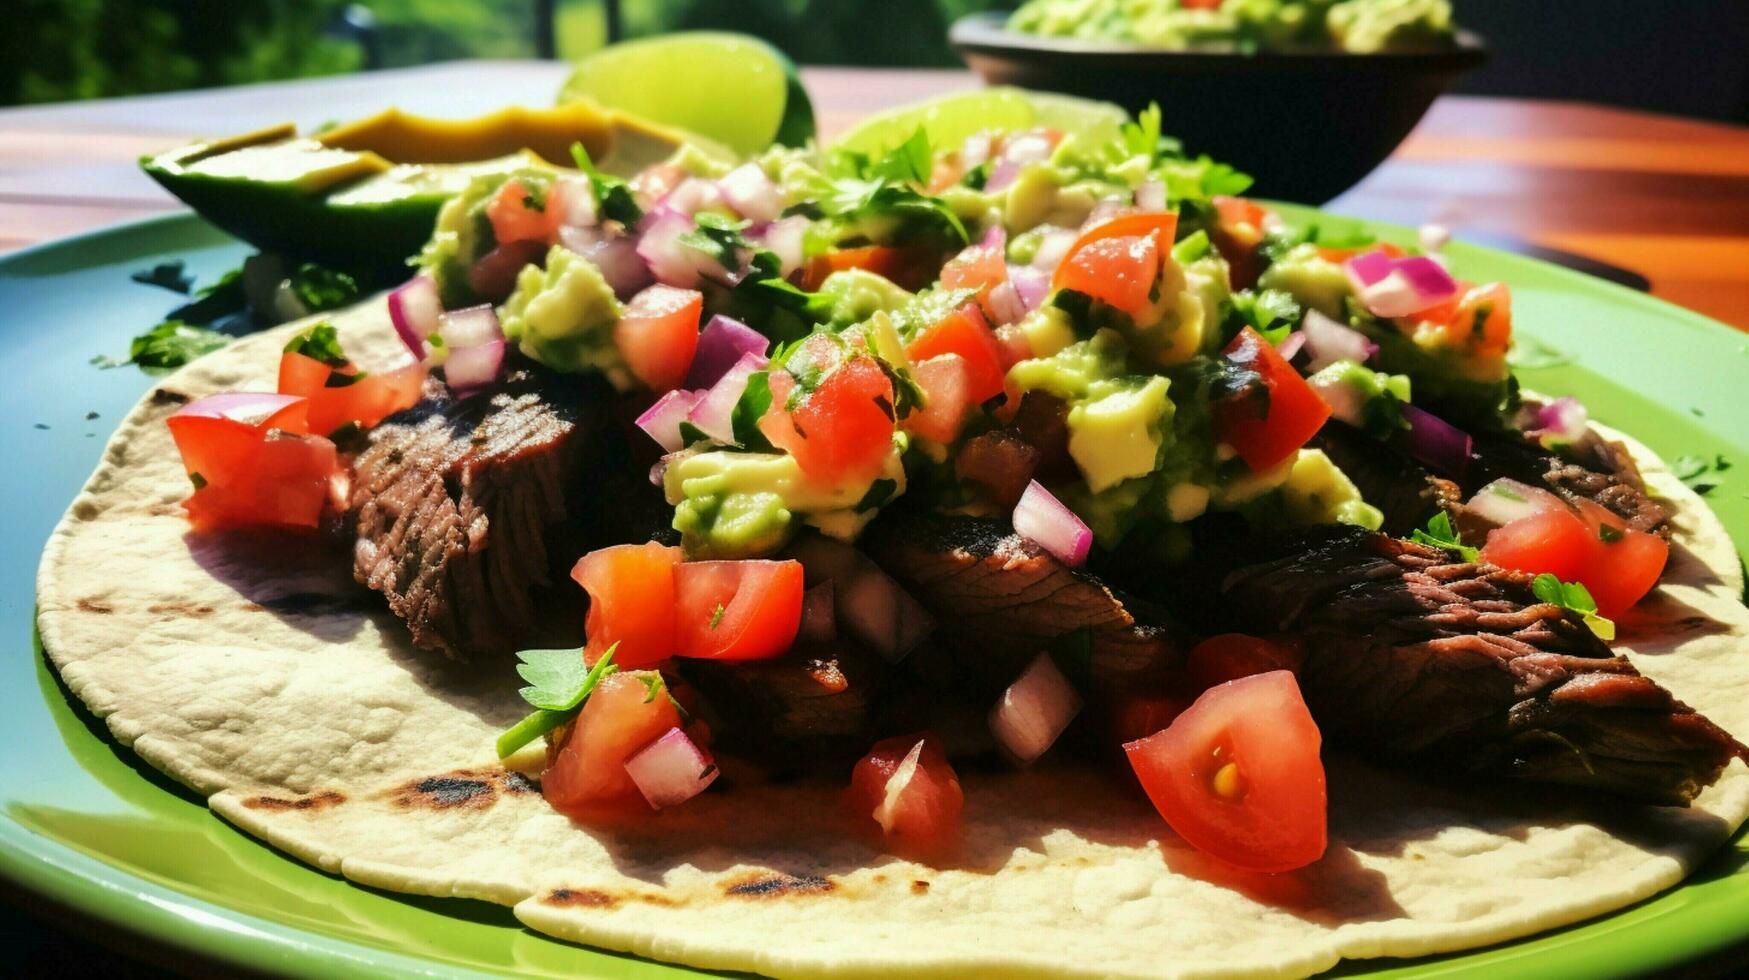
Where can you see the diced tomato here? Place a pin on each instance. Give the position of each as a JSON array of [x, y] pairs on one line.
[[1230, 656], [908, 267], [737, 610], [979, 267], [1238, 776], [1552, 541], [1119, 272], [218, 435], [1268, 427], [965, 332], [587, 773], [631, 602], [519, 215], [365, 402], [946, 382], [493, 276], [843, 431], [1200, 4], [1160, 226], [907, 786], [1488, 311], [1237, 232], [658, 335], [1590, 544], [284, 480]]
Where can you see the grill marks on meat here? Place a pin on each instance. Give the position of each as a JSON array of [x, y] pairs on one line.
[[999, 600], [463, 512], [1413, 655]]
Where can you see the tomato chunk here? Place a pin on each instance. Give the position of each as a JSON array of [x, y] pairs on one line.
[[658, 335], [1119, 272], [737, 610], [218, 435], [1238, 231], [1269, 426], [520, 214], [336, 401], [285, 480], [631, 602], [843, 431], [586, 775], [1589, 544], [1238, 775], [907, 787], [1554, 541], [1230, 656], [966, 333], [947, 398], [979, 267]]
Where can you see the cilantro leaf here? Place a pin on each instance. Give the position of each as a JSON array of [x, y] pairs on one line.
[[691, 435], [909, 162], [613, 196], [1270, 312], [1695, 471], [165, 275], [321, 288], [1142, 137], [719, 238], [321, 343], [170, 344], [558, 684], [1440, 534], [744, 418], [858, 189], [1576, 598]]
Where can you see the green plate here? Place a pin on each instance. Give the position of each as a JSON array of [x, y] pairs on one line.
[[87, 828]]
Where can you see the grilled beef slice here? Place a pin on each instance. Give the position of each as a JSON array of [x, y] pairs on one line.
[[816, 703], [1000, 600], [465, 511], [1412, 654]]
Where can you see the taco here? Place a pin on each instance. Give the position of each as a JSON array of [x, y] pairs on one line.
[[967, 491]]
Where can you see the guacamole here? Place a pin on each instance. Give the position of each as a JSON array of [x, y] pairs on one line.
[[1356, 26], [563, 316]]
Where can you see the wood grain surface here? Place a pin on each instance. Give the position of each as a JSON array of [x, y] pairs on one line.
[[1665, 198]]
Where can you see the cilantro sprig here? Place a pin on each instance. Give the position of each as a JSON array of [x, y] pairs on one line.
[[613, 195], [1576, 598], [320, 343], [1700, 473], [168, 345], [857, 187], [558, 684], [320, 288], [1440, 534]]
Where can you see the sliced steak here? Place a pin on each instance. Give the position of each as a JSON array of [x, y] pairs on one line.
[[465, 511], [817, 703], [1415, 655], [1000, 600]]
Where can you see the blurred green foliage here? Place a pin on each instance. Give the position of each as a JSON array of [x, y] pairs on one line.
[[73, 49]]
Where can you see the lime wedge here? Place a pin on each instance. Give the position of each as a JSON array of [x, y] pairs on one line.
[[949, 119], [731, 88]]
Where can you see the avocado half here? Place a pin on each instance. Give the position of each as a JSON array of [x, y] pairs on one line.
[[364, 196]]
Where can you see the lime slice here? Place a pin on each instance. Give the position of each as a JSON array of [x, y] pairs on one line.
[[949, 119], [731, 88]]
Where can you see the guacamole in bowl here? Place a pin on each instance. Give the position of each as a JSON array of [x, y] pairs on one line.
[[1353, 26]]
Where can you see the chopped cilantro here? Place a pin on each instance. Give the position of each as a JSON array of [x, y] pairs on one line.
[[170, 344], [653, 684], [1573, 597], [613, 196], [558, 684], [859, 188], [321, 343], [879, 492], [744, 418], [1142, 137], [1440, 534], [220, 299], [321, 288], [1608, 533], [1270, 312], [165, 275], [198, 481], [719, 238], [717, 617], [1699, 472]]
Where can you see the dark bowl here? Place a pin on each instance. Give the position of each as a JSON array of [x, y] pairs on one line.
[[1307, 125]]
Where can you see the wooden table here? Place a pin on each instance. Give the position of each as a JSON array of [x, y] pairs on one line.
[[1663, 197]]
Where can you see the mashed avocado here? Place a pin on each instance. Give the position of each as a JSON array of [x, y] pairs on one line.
[[464, 233], [1115, 432], [1360, 26], [858, 294], [743, 505], [563, 316], [1313, 281]]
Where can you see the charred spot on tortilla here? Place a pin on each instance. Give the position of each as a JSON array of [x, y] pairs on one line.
[[95, 607], [165, 396], [475, 789], [314, 801], [585, 897], [179, 608], [919, 887], [776, 885], [516, 782]]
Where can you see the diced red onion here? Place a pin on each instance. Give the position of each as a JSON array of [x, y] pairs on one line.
[[751, 193], [1052, 246], [887, 810], [868, 605], [1002, 175], [692, 195], [671, 770], [819, 617], [469, 327], [1436, 442], [669, 261], [1005, 304], [1104, 211], [662, 420], [1434, 237], [615, 256], [1345, 402], [1044, 520], [414, 308], [574, 200], [1031, 284], [995, 237], [248, 407], [784, 238], [1563, 420], [1506, 500], [473, 347], [714, 412], [721, 345], [1392, 288], [977, 149], [1290, 346], [1151, 196], [1035, 710], [1328, 341]]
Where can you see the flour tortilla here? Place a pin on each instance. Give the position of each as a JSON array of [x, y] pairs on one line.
[[252, 669]]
